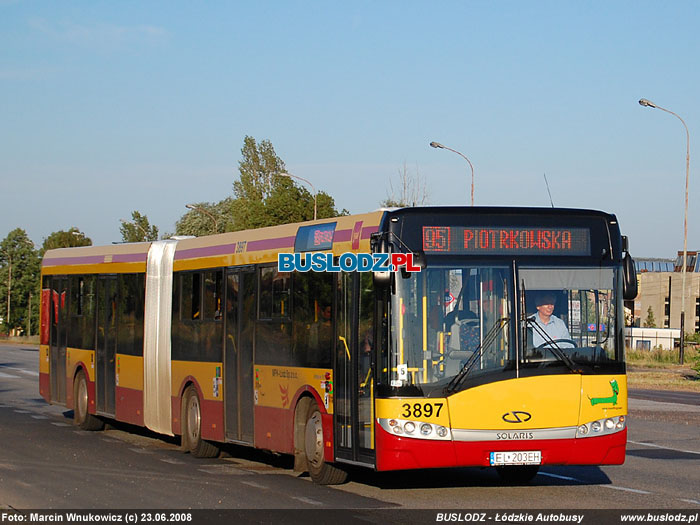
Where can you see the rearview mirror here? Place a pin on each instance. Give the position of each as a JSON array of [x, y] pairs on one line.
[[629, 278]]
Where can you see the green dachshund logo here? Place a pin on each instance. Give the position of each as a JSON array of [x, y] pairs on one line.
[[612, 399]]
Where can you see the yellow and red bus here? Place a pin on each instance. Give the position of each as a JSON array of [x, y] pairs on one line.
[[447, 366]]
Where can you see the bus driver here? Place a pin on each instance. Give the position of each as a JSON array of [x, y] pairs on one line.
[[547, 322]]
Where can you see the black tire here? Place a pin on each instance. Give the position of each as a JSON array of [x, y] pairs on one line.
[[191, 427], [320, 471], [81, 399], [517, 475]]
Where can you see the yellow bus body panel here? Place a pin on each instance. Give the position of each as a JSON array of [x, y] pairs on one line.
[[415, 409], [75, 356], [130, 371], [599, 398], [276, 386], [44, 361], [207, 375], [551, 401]]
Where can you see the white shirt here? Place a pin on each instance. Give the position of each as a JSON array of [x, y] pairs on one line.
[[555, 329]]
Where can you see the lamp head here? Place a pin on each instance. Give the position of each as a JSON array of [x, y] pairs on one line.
[[436, 145], [646, 103]]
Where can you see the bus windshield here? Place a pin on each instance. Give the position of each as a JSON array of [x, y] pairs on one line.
[[441, 317], [449, 322], [571, 311]]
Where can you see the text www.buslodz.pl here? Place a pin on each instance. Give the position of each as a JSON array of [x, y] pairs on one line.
[[347, 262]]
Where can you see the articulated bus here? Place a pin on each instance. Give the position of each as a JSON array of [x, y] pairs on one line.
[[440, 364]]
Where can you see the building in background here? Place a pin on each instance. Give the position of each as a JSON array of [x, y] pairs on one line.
[[660, 293], [651, 338]]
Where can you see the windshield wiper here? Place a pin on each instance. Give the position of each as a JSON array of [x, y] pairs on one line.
[[552, 346], [490, 337]]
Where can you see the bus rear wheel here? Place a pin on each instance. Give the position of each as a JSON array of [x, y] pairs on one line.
[[191, 427], [81, 414], [320, 471], [517, 475]]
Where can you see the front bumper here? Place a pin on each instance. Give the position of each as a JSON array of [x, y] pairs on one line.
[[402, 453]]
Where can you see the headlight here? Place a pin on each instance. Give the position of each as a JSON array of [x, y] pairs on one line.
[[602, 427], [415, 429]]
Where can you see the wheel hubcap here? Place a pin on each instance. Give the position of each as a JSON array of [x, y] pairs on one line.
[[82, 400], [193, 419], [314, 439]]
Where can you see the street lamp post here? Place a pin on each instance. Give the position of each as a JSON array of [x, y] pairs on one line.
[[646, 103], [307, 182], [9, 288], [205, 212], [440, 146]]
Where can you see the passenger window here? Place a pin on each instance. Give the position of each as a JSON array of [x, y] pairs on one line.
[[191, 296], [213, 294], [274, 294]]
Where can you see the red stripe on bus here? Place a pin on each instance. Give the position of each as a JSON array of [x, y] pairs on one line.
[[129, 405], [400, 453]]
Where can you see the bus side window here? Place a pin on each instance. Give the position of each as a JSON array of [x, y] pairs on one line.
[[312, 319]]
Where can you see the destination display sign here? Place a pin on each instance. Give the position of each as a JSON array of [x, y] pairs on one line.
[[314, 238], [500, 240]]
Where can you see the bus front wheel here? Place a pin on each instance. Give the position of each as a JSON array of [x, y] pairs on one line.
[[81, 415], [320, 471], [191, 427]]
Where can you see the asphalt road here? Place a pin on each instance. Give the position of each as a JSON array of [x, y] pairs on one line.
[[46, 462]]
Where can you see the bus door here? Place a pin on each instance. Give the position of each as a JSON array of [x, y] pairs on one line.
[[106, 343], [241, 293], [58, 337], [354, 393]]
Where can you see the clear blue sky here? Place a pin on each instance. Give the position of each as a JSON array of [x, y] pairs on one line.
[[109, 107]]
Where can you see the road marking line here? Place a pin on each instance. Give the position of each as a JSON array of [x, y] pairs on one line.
[[559, 477], [636, 491], [691, 501], [3, 374], [141, 451], [172, 461], [307, 500], [28, 372], [40, 417], [581, 481], [23, 411], [61, 424], [255, 485], [665, 448]]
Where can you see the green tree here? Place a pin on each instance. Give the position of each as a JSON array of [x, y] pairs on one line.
[[650, 322], [206, 218], [138, 229], [19, 283], [65, 239], [264, 196]]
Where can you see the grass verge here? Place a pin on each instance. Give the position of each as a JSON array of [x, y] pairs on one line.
[[659, 369]]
